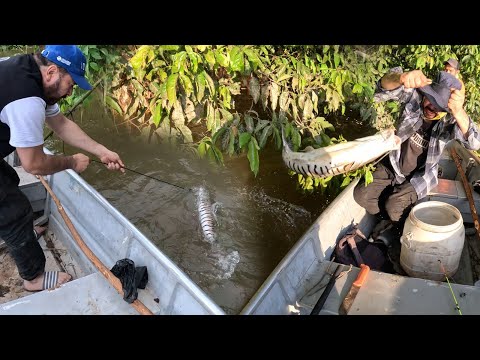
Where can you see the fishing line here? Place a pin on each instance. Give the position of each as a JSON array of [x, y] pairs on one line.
[[457, 307], [139, 173]]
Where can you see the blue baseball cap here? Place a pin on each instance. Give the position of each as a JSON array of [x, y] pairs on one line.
[[71, 58]]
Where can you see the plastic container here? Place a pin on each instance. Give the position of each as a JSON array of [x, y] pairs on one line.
[[433, 235]]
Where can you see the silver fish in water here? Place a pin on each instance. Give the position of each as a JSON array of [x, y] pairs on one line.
[[340, 158], [205, 214]]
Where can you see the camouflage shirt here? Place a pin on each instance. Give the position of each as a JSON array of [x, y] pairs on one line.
[[446, 129]]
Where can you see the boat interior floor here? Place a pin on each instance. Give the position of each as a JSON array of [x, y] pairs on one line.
[[395, 294]]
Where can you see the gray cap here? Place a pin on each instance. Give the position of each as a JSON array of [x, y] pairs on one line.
[[438, 92], [453, 63]]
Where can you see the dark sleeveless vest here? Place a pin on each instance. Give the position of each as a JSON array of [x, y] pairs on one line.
[[20, 78]]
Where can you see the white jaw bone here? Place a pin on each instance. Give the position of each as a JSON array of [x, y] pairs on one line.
[[340, 158]]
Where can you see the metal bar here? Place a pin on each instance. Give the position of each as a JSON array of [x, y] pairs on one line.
[[468, 190]]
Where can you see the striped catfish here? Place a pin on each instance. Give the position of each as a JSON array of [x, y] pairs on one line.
[[205, 214], [340, 158]]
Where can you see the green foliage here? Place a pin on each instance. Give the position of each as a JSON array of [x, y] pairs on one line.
[[296, 87]]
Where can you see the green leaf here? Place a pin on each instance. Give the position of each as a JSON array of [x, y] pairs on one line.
[[325, 124], [210, 57], [113, 104], [253, 57], [172, 87], [96, 55], [157, 115], [193, 58], [139, 59], [210, 83], [94, 66], [200, 83], [218, 134], [221, 58], [243, 139], [336, 59], [202, 149], [215, 154], [169, 47], [187, 84], [231, 143], [179, 62], [368, 177], [296, 139], [236, 59], [227, 115], [346, 181], [210, 117], [253, 155], [201, 48], [267, 131], [261, 124], [278, 138], [357, 89]]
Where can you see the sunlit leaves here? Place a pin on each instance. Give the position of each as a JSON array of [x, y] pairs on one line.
[[172, 87], [236, 60], [200, 83]]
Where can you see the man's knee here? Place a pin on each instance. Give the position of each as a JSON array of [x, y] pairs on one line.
[[397, 210], [359, 194]]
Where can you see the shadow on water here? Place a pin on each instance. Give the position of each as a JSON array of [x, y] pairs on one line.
[[257, 219]]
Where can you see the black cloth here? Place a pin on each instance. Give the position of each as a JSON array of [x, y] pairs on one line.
[[414, 150], [16, 225], [384, 197], [131, 277], [20, 78]]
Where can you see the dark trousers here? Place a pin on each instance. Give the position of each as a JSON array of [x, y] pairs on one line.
[[384, 196], [16, 225]]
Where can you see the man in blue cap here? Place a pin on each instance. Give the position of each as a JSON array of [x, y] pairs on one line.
[[432, 115], [30, 87]]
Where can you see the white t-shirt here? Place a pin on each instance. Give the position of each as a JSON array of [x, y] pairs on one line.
[[26, 118]]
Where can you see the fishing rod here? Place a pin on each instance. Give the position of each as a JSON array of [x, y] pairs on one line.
[[457, 307], [204, 207], [82, 98], [139, 173]]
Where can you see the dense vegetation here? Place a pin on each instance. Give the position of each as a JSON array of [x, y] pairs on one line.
[[164, 91]]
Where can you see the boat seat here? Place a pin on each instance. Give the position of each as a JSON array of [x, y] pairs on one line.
[[452, 192], [88, 295]]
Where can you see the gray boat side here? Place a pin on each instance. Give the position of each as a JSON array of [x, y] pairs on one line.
[[296, 284], [111, 237]]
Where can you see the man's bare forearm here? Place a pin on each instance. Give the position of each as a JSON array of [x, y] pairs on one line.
[[391, 81], [73, 135], [43, 164]]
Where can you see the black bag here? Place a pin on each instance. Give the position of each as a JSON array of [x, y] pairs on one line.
[[131, 277], [354, 249]]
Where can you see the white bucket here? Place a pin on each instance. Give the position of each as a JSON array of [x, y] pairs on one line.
[[433, 231]]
